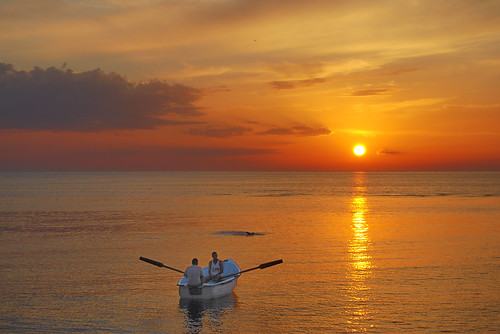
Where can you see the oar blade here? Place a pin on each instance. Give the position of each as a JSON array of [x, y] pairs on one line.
[[270, 264], [153, 262], [262, 266]]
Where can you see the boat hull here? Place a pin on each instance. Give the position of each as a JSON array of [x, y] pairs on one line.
[[211, 290], [208, 291]]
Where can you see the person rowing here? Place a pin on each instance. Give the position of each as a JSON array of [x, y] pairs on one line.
[[194, 274]]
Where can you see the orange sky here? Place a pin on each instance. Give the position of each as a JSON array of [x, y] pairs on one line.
[[249, 85]]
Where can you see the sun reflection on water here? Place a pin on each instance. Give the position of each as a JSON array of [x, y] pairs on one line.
[[359, 259], [358, 246]]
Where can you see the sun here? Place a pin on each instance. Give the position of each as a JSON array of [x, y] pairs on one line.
[[359, 150]]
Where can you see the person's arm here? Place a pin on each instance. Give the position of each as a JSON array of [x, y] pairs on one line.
[[221, 267], [209, 268]]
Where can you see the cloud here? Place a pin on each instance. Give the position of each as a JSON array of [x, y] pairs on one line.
[[234, 131], [364, 133], [384, 151], [61, 99], [300, 131], [283, 84], [408, 104], [372, 92], [220, 132], [292, 84], [473, 107]]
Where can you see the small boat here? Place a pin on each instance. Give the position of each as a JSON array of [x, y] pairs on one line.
[[210, 290]]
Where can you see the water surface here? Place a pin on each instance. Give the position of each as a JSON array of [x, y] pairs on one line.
[[372, 252]]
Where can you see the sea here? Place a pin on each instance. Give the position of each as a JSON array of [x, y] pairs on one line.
[[372, 252]]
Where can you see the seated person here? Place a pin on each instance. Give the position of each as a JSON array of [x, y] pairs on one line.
[[194, 274], [215, 269]]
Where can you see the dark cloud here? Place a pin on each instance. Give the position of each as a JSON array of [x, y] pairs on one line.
[[277, 131], [220, 132], [301, 131], [226, 132], [61, 99], [372, 92], [292, 84], [384, 151]]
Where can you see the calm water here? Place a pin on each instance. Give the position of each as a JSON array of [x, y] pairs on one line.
[[363, 252]]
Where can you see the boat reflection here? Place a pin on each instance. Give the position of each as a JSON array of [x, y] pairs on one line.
[[206, 312], [359, 265]]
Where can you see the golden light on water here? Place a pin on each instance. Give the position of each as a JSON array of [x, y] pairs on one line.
[[360, 260], [360, 265]]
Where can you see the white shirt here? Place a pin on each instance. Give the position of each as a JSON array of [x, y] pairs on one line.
[[194, 275], [214, 268]]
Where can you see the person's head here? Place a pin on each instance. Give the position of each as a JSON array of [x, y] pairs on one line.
[[214, 255], [195, 261]]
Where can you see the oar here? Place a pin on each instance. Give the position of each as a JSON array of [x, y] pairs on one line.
[[159, 264], [260, 266]]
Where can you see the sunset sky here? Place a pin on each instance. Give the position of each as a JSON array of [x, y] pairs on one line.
[[249, 85]]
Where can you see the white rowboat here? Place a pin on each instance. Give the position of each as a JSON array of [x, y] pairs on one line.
[[212, 290]]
